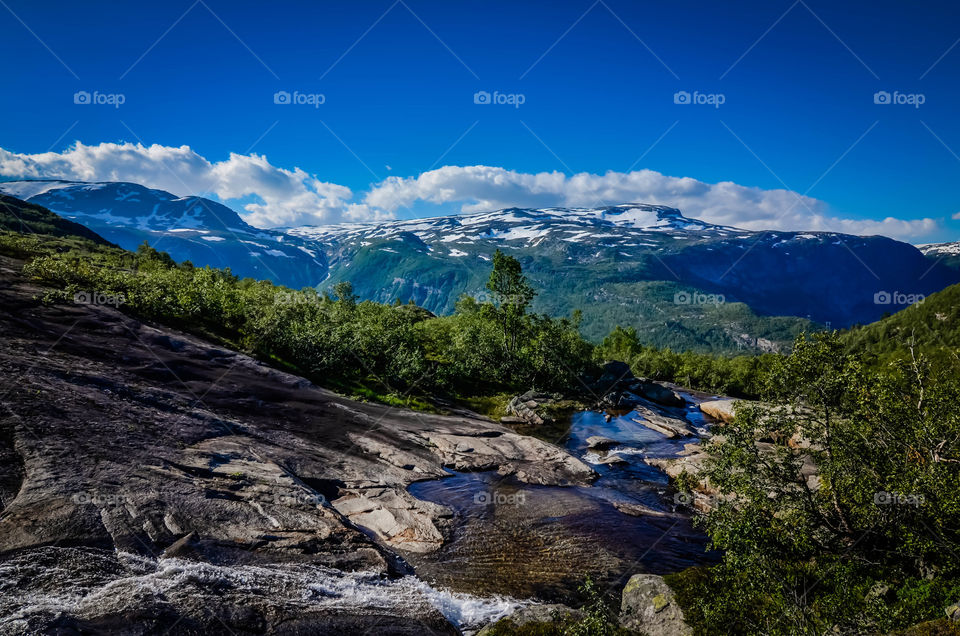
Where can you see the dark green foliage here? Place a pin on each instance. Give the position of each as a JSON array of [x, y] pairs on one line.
[[612, 290], [931, 327], [740, 376], [396, 351], [512, 294], [875, 545]]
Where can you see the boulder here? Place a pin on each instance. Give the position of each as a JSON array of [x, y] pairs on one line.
[[616, 371], [536, 396], [662, 422], [619, 388], [660, 394], [545, 613], [721, 410], [648, 605], [613, 460], [529, 408], [598, 442], [953, 612]]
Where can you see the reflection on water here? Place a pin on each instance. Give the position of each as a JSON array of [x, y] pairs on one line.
[[542, 541]]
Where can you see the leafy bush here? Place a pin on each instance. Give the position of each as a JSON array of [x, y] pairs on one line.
[[740, 376], [396, 349], [870, 543]]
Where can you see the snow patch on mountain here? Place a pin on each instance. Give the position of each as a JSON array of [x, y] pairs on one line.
[[621, 222], [940, 249]]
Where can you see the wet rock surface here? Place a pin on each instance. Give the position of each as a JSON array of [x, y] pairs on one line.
[[545, 613], [59, 590], [120, 435]]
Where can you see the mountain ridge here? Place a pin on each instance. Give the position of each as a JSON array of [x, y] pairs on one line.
[[635, 254], [189, 228], [682, 282]]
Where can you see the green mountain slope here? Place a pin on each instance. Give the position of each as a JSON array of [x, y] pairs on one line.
[[931, 326], [27, 218]]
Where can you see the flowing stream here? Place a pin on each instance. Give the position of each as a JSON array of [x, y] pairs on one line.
[[510, 543], [540, 542]]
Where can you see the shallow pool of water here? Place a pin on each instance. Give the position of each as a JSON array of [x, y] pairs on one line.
[[542, 541]]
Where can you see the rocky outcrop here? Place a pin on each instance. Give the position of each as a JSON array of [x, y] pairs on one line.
[[662, 421], [531, 408], [598, 442], [658, 393], [704, 496], [690, 460], [648, 606], [538, 613], [528, 459], [618, 388], [120, 436], [396, 517], [720, 410]]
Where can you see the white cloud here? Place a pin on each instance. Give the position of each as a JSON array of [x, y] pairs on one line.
[[282, 197], [273, 196], [955, 216], [484, 188]]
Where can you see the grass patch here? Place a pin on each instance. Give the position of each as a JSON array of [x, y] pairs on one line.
[[493, 406]]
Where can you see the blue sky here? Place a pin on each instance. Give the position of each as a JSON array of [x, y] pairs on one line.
[[597, 79]]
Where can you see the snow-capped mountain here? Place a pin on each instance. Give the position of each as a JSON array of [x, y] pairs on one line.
[[624, 224], [630, 264], [681, 282], [189, 228], [944, 253]]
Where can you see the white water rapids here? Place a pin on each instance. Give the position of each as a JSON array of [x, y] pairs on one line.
[[89, 584]]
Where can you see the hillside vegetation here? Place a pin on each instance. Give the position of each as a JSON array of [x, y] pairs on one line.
[[25, 218], [393, 352], [871, 542], [869, 546], [931, 326]]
